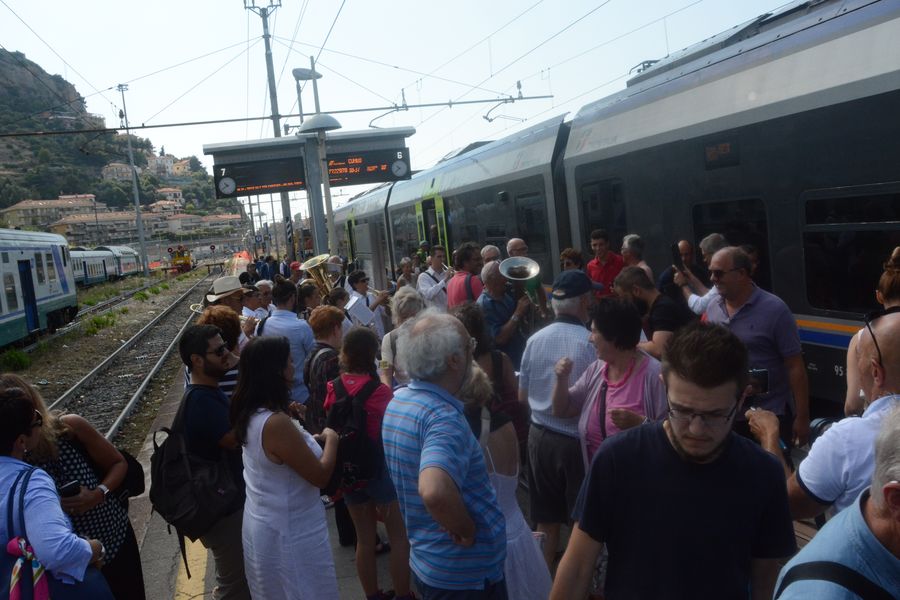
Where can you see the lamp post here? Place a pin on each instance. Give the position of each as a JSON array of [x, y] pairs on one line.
[[319, 124], [313, 208]]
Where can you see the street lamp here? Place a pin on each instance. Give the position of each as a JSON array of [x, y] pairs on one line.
[[319, 124]]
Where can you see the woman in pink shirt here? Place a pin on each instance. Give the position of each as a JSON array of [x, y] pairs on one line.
[[377, 499], [621, 389]]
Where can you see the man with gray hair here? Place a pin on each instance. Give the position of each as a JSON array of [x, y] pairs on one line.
[[502, 314], [457, 533], [490, 253], [633, 253], [698, 296], [857, 553], [555, 464]]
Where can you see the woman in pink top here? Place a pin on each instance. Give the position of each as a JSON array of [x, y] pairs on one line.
[[378, 498], [621, 389]]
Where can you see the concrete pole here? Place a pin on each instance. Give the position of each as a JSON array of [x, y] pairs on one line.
[[134, 186]]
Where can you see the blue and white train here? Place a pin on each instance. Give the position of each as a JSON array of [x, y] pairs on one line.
[[104, 263], [38, 284]]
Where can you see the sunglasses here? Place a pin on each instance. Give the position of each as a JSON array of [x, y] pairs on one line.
[[719, 273], [872, 316], [38, 419], [220, 351]]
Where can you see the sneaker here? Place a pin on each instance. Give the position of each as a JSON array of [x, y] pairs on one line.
[[327, 501]]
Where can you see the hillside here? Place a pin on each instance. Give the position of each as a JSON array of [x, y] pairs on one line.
[[41, 167]]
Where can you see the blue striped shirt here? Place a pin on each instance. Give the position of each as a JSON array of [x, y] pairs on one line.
[[424, 427]]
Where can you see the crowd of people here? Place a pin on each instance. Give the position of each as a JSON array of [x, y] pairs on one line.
[[652, 421]]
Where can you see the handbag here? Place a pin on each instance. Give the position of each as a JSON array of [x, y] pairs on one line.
[[27, 579]]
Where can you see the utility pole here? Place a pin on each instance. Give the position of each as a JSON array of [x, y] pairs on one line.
[[134, 183], [264, 12]]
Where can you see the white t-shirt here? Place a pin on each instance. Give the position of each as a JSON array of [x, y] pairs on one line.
[[840, 464]]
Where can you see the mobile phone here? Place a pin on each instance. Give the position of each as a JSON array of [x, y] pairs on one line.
[[759, 381], [70, 489], [676, 257]]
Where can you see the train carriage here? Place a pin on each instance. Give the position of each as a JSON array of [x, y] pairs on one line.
[[38, 284], [91, 266], [779, 133], [127, 260]]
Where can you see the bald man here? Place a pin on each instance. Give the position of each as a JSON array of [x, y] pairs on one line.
[[518, 247], [841, 462]]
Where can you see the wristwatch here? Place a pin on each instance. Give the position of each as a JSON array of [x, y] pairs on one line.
[[103, 489]]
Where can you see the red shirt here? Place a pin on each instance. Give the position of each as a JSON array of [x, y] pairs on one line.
[[456, 289], [605, 273], [375, 405]]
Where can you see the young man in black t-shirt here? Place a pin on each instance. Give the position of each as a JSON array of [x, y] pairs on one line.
[[664, 315], [207, 432], [686, 508]]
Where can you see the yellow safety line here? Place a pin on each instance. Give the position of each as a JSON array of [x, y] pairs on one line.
[[196, 585]]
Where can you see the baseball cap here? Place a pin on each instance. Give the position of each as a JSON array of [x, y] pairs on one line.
[[571, 284]]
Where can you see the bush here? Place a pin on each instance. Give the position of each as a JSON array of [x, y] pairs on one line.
[[154, 290], [141, 296], [164, 286], [123, 310], [14, 360]]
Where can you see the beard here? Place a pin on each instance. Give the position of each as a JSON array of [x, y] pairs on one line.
[[705, 457]]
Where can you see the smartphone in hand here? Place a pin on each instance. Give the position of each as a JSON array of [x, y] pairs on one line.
[[677, 261], [70, 489]]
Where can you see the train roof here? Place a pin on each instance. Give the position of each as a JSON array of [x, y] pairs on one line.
[[9, 235], [118, 250], [369, 202], [805, 55], [514, 156], [81, 252]]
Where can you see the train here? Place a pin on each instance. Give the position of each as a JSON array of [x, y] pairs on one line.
[[181, 259], [104, 263], [780, 132], [38, 284]]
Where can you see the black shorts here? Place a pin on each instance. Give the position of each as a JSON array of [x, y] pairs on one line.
[[555, 473]]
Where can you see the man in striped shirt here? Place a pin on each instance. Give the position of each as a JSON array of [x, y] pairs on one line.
[[456, 530]]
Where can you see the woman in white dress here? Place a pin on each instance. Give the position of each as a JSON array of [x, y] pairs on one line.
[[287, 553], [525, 570]]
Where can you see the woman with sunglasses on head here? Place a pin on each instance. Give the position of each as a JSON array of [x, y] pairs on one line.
[[70, 450], [887, 294], [284, 468]]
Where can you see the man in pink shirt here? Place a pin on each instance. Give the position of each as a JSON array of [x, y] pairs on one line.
[[466, 285]]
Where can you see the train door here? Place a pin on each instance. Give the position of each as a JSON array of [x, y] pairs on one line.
[[370, 256], [28, 295], [432, 223], [351, 241]]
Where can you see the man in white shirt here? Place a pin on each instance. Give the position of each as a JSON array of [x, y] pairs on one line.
[[432, 283], [359, 281], [698, 296], [250, 301]]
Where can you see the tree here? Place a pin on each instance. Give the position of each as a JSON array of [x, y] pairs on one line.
[[195, 165]]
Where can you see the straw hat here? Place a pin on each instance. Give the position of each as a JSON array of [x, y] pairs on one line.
[[225, 286]]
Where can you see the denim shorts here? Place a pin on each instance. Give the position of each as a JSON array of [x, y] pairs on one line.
[[379, 489]]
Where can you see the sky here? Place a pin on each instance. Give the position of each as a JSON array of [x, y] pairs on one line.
[[205, 59]]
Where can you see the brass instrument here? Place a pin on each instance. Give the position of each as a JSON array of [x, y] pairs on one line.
[[316, 268], [518, 270]]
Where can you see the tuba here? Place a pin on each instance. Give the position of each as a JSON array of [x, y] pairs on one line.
[[518, 270], [316, 269]]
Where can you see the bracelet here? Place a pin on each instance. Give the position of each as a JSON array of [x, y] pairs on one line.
[[514, 318]]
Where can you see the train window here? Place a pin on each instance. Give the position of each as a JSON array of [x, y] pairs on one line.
[[877, 208], [5, 258], [405, 232], [39, 267], [603, 207], [742, 222], [9, 288], [51, 267], [843, 267], [531, 219]]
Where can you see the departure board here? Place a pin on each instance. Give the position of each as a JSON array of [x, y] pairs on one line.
[[259, 177], [370, 166]]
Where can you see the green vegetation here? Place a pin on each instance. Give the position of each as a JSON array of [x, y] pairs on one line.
[[14, 360], [141, 296], [99, 322], [154, 290], [123, 310], [164, 286]]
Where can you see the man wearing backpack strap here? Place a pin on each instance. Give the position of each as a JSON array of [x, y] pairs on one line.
[[466, 284], [858, 551], [207, 431]]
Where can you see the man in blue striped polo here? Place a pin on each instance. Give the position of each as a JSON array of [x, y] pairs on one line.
[[456, 531]]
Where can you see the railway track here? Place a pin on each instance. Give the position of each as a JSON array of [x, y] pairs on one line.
[[107, 395]]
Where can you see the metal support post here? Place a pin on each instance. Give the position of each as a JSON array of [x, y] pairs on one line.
[[134, 185]]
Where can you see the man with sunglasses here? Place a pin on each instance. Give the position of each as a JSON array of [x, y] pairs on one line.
[[686, 507], [841, 462], [767, 327]]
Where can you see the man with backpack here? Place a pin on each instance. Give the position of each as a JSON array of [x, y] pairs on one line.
[[466, 285], [202, 421]]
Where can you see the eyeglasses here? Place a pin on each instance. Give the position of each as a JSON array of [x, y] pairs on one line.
[[220, 351], [38, 419], [877, 314], [472, 344], [683, 416], [719, 273]]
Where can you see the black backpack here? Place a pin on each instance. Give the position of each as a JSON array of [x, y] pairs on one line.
[[358, 457], [190, 493]]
